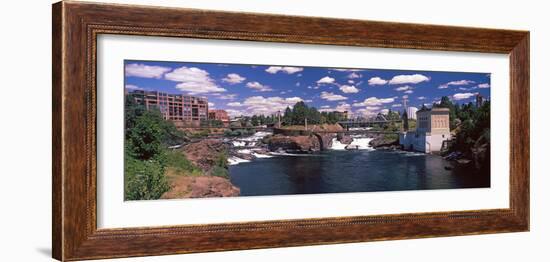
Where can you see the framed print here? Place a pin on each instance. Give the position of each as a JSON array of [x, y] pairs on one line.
[[181, 130]]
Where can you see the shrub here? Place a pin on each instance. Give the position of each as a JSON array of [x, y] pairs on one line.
[[144, 179]]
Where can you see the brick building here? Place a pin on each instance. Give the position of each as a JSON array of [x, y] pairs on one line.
[[219, 114], [183, 110]]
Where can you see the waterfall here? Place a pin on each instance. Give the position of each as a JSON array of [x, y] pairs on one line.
[[360, 143]]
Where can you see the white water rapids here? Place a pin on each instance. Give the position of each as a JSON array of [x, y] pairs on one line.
[[248, 146], [359, 143]]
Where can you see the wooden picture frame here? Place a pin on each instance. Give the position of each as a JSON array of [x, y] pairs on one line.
[[76, 26]]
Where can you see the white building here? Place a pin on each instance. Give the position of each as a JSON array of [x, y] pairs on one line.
[[432, 129], [411, 112]]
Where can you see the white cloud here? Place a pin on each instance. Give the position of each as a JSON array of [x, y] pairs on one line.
[[484, 85], [373, 101], [460, 96], [233, 78], [133, 87], [325, 106], [408, 92], [326, 80], [408, 79], [354, 75], [226, 97], [193, 80], [268, 105], [329, 96], [348, 89], [368, 111], [421, 98], [384, 111], [396, 105], [234, 104], [145, 71], [403, 88], [456, 83], [234, 112], [210, 104], [258, 87], [341, 107], [351, 81], [285, 69], [377, 81]]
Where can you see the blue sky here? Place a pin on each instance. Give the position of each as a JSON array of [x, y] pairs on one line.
[[265, 89]]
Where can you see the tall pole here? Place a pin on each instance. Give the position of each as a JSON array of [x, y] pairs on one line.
[[306, 123]]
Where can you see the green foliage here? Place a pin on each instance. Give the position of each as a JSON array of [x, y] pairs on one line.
[[475, 125], [239, 132], [137, 119], [300, 112], [145, 138], [220, 166], [200, 134], [144, 179], [178, 161]]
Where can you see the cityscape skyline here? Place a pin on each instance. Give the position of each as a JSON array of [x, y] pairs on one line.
[[265, 89]]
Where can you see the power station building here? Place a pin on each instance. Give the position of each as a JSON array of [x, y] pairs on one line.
[[432, 130]]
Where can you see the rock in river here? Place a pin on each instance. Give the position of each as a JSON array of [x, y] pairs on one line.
[[302, 144]]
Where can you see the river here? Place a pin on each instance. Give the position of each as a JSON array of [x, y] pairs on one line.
[[338, 171]]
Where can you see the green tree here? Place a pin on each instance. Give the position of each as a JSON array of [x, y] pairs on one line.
[[145, 138], [299, 113], [287, 118], [255, 121]]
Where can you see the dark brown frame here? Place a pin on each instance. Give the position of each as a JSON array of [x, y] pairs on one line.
[[76, 26]]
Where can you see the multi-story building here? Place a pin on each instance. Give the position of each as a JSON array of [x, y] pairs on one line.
[[219, 114], [341, 115], [432, 130], [411, 112], [183, 110]]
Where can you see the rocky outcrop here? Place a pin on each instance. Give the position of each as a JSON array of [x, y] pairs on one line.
[[205, 153], [200, 187], [300, 144], [383, 142], [344, 139]]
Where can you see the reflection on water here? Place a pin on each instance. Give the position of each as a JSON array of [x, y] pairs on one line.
[[351, 171]]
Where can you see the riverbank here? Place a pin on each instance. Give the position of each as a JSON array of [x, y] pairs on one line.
[[201, 171]]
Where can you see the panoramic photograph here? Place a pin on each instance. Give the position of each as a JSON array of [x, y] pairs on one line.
[[200, 130]]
